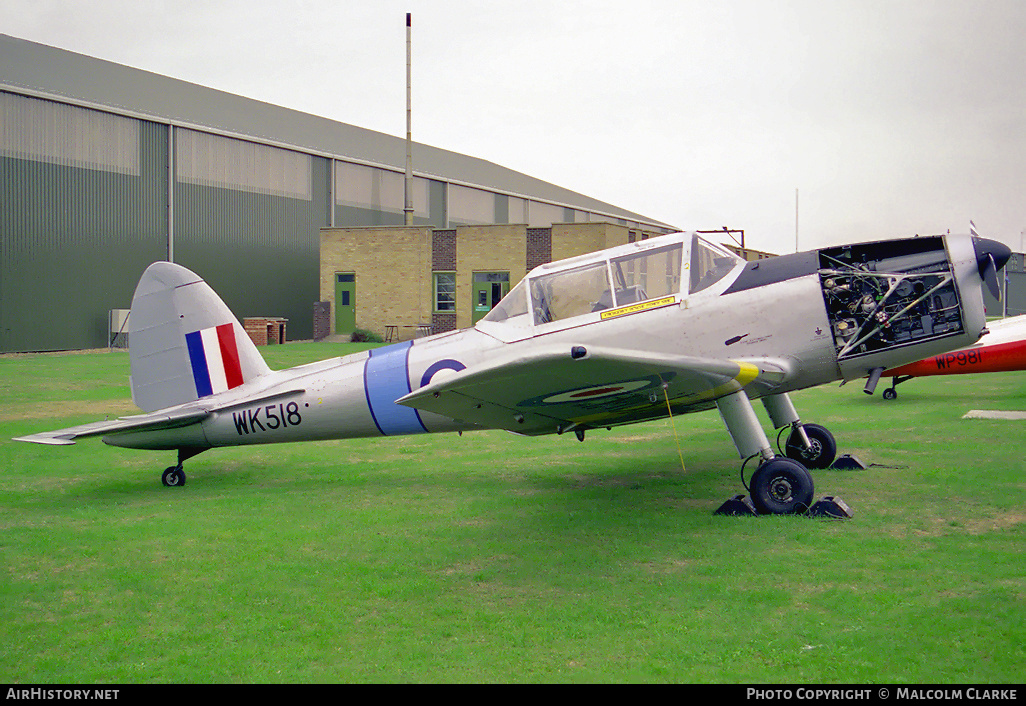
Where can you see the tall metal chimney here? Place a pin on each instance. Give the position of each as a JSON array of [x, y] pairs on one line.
[[408, 204]]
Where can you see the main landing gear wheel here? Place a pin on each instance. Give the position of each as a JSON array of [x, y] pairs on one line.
[[781, 486], [890, 394], [173, 476], [822, 453]]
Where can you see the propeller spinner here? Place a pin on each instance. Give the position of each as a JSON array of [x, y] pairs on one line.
[[991, 256]]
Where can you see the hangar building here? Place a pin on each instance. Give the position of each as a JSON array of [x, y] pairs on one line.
[[106, 168]]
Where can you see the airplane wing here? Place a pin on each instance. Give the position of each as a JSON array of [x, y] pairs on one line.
[[170, 418], [561, 388]]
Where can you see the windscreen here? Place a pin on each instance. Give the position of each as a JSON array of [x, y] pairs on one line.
[[571, 293], [709, 264], [512, 305]]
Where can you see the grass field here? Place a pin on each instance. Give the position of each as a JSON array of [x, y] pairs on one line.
[[495, 558]]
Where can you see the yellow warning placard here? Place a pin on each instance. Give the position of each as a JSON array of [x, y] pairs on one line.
[[640, 306]]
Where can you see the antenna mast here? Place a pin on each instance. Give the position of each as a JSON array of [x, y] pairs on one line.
[[408, 185]]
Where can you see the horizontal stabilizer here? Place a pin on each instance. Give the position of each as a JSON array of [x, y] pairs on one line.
[[172, 418], [139, 422]]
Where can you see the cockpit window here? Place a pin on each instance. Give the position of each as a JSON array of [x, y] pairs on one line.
[[649, 274], [512, 305], [709, 264], [571, 293], [640, 273]]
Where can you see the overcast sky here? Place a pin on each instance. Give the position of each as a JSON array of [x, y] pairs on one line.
[[890, 117]]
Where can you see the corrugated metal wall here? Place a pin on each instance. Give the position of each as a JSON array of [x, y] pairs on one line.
[[83, 210], [248, 220], [371, 196]]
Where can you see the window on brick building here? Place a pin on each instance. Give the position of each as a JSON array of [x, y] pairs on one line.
[[445, 291]]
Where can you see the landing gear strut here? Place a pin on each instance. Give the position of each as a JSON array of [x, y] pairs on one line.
[[780, 485], [174, 476], [891, 393]]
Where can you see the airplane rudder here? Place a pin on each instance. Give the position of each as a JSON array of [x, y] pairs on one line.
[[223, 357], [184, 341]]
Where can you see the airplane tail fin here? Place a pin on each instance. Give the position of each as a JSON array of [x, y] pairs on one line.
[[184, 342]]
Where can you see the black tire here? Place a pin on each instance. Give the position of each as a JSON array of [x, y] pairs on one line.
[[890, 394], [781, 486], [822, 453], [173, 476]]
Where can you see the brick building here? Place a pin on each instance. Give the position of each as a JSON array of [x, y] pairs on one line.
[[399, 282]]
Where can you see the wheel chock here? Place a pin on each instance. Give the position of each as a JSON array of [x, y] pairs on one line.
[[847, 462], [831, 507], [738, 506]]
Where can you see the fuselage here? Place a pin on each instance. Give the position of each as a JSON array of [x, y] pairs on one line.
[[778, 316], [1002, 349]]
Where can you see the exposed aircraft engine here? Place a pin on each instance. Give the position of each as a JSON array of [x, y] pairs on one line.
[[884, 295]]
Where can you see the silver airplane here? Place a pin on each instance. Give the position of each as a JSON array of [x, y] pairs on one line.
[[666, 326]]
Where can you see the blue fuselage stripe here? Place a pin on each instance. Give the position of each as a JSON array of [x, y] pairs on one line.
[[386, 379]]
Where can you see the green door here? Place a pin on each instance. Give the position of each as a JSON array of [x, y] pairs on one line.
[[489, 289], [345, 302]]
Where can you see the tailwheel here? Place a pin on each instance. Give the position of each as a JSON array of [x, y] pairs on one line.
[[173, 476], [821, 451], [891, 393], [781, 486]]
